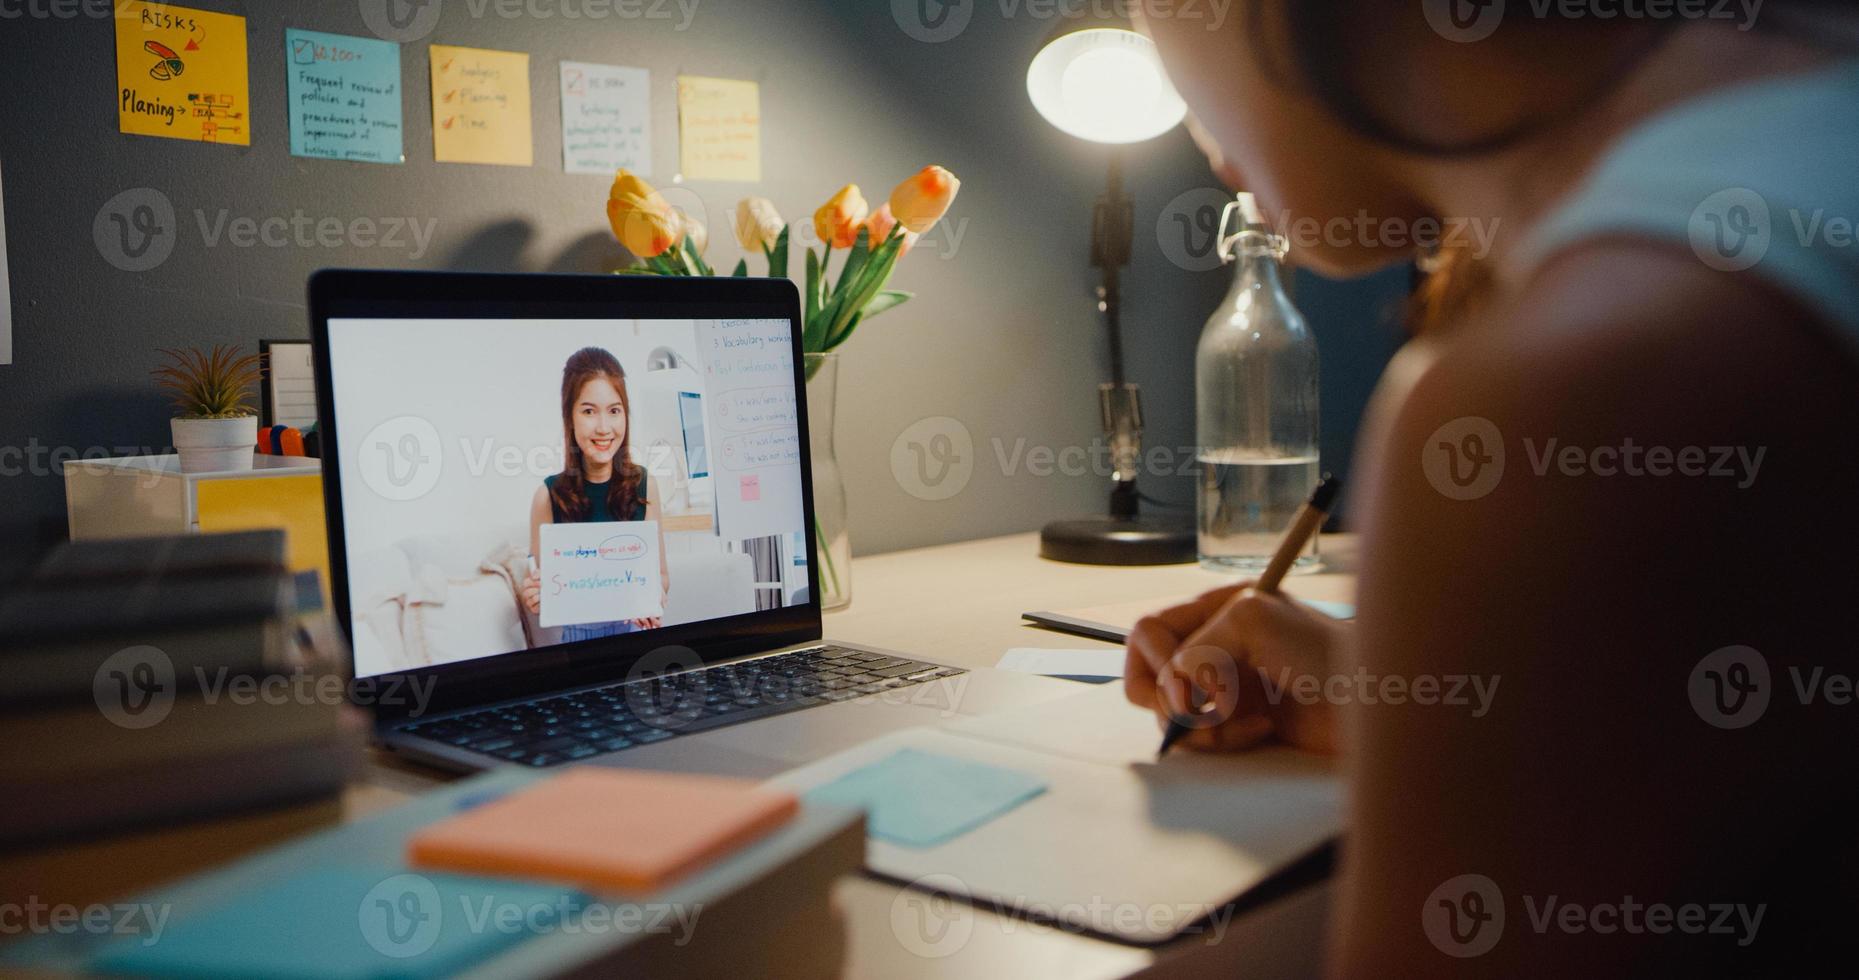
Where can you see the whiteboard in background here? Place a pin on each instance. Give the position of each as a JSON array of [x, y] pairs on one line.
[[754, 422]]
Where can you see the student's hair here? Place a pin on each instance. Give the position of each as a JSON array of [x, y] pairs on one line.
[[1315, 45], [570, 490]]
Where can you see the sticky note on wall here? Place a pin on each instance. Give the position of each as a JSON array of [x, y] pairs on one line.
[[719, 129], [606, 119], [181, 74], [480, 106], [345, 97]]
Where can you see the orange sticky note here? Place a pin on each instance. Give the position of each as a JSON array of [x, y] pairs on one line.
[[617, 829]]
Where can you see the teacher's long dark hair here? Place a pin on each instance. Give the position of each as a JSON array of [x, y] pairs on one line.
[[569, 493]]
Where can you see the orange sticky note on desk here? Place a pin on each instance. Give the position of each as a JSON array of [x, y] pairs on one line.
[[617, 829]]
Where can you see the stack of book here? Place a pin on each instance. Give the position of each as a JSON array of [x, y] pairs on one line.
[[162, 680]]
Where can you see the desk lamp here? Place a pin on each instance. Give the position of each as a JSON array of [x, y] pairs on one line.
[[1096, 78]]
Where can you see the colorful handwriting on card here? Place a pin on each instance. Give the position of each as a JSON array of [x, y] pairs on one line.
[[918, 799], [480, 106], [181, 73], [344, 97], [606, 119], [720, 129], [599, 572]]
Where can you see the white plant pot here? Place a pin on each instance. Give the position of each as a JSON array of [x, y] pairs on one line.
[[215, 445]]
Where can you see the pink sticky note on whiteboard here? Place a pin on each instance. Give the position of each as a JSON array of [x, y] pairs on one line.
[[751, 488]]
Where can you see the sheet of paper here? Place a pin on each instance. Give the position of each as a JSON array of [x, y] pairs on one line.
[[480, 106], [6, 289], [1103, 663], [345, 97], [599, 572], [719, 129], [755, 425], [181, 74], [293, 385], [919, 799], [606, 119]]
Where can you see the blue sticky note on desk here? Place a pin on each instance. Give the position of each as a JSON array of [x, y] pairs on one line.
[[344, 924], [345, 97], [919, 799]]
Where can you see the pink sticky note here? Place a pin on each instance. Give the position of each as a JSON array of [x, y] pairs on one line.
[[751, 488]]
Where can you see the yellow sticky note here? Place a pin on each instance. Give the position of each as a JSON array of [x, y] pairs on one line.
[[480, 106], [719, 129], [294, 503], [181, 73]]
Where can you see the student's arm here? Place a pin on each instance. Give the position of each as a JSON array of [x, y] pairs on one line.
[[1569, 609], [540, 513]]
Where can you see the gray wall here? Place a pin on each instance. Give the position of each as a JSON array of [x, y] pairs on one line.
[[1003, 337]]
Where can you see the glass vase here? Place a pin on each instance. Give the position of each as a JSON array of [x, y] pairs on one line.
[[831, 537]]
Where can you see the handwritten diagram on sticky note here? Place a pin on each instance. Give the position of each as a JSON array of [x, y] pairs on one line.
[[606, 119], [181, 74], [919, 799], [599, 572], [344, 97], [719, 129], [480, 106]]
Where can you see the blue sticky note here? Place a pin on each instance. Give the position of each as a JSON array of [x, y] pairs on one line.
[[918, 799], [345, 97], [345, 924]]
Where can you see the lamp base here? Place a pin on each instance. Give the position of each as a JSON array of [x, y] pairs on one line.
[[1142, 540]]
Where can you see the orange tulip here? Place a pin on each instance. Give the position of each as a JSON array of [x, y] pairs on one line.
[[839, 220], [881, 222], [922, 200], [641, 218]]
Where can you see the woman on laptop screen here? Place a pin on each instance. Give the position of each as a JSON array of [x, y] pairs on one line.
[[599, 482]]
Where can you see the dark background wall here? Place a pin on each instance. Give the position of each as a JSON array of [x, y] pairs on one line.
[[1003, 337]]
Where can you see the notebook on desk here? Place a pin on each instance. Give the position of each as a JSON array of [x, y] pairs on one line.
[[1115, 842]]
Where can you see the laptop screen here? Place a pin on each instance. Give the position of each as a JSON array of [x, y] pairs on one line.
[[515, 485]]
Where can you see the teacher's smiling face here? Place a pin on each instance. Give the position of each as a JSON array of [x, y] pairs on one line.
[[599, 421]]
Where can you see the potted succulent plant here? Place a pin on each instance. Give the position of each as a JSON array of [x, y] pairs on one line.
[[215, 428]]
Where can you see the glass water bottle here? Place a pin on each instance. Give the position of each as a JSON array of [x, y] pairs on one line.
[[1256, 396]]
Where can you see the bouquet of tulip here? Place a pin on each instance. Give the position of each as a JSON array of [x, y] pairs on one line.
[[668, 243]]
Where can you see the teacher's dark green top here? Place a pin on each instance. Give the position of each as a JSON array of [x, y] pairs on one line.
[[597, 496]]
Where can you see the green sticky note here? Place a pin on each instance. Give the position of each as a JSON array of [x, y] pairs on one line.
[[918, 799], [345, 924], [345, 98]]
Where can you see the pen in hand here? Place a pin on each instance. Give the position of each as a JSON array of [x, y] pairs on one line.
[[1304, 526]]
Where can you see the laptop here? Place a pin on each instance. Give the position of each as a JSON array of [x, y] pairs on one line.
[[570, 520]]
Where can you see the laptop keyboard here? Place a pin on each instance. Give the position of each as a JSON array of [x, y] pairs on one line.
[[553, 730]]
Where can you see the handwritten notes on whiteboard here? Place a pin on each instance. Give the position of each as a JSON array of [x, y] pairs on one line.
[[480, 106], [720, 129], [606, 119], [345, 98], [181, 74], [754, 420], [599, 573]]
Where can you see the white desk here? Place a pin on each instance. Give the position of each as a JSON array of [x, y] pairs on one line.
[[961, 604]]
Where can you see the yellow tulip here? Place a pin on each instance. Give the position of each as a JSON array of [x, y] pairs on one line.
[[758, 224], [922, 200], [838, 221], [640, 217]]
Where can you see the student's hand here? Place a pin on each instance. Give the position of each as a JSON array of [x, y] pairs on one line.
[[532, 594], [1248, 652], [648, 622]]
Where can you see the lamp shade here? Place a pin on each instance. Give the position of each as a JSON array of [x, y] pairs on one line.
[[1104, 84]]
